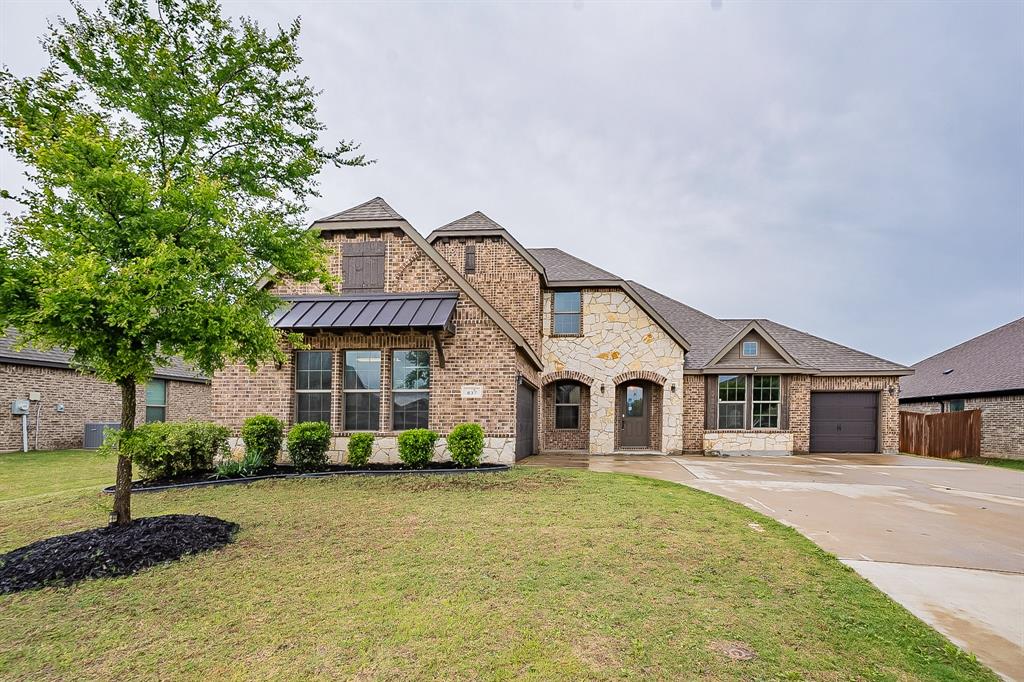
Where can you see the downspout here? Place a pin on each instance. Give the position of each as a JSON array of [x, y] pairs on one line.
[[35, 440]]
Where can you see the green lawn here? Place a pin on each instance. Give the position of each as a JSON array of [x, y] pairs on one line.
[[1017, 464], [534, 574], [28, 474]]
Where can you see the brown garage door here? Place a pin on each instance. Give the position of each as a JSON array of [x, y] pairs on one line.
[[526, 406], [844, 422]]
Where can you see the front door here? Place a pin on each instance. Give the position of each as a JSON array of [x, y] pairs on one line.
[[633, 422]]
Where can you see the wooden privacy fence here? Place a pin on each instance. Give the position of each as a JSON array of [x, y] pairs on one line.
[[950, 434]]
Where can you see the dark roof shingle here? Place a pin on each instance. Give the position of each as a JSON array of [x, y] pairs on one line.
[[470, 223], [991, 362], [374, 209], [705, 334], [560, 266]]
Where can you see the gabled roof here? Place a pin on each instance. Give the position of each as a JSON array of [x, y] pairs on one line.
[[61, 359], [706, 334], [470, 223], [990, 363], [476, 224], [563, 269], [756, 327], [374, 209]]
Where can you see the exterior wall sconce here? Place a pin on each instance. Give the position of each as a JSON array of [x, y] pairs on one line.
[[892, 390], [602, 389], [673, 388]]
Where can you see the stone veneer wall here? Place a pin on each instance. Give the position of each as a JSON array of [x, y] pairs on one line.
[[1002, 422], [85, 399], [618, 337], [749, 442]]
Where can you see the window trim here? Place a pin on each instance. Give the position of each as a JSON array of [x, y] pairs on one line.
[[577, 313], [162, 406], [754, 402], [328, 391], [743, 349], [409, 390], [379, 390], [956, 402], [743, 402], [578, 405]]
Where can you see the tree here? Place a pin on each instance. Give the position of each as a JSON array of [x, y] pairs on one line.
[[170, 152]]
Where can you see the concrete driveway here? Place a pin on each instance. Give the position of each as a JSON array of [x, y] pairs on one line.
[[944, 539]]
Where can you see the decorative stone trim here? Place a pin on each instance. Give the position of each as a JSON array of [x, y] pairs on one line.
[[568, 375], [640, 375]]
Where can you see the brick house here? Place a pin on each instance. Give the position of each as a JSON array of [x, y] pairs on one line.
[[985, 373], [65, 403], [546, 352]]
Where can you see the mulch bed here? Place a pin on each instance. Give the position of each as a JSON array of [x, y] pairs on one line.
[[112, 551], [280, 470]]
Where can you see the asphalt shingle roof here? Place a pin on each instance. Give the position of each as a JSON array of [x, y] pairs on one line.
[[60, 358], [374, 209], [705, 333], [991, 362], [560, 266], [472, 222]]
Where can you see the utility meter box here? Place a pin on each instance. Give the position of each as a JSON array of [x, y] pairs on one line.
[[20, 407]]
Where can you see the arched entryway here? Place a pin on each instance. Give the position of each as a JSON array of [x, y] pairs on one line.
[[638, 408], [566, 408]]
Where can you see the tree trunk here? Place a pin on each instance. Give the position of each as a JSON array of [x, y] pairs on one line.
[[122, 515]]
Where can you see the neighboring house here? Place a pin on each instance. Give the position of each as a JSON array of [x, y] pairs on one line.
[[64, 403], [985, 373], [547, 353]]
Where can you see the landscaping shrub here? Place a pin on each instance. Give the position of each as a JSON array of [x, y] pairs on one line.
[[416, 447], [262, 435], [466, 444], [360, 447], [307, 445], [166, 449]]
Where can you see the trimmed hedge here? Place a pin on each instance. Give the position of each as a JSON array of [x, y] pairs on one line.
[[165, 449], [307, 445], [416, 447], [360, 447], [466, 444], [262, 435]]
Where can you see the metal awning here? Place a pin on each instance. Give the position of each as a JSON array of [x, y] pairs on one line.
[[369, 312]]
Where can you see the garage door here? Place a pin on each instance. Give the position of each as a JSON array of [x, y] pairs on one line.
[[844, 422], [526, 405]]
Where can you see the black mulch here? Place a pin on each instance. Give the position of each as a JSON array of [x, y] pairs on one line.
[[102, 552], [280, 470]]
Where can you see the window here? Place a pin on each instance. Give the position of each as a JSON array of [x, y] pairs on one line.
[[313, 386], [634, 401], [567, 405], [361, 389], [956, 405], [767, 396], [156, 400], [750, 349], [568, 309], [732, 401], [470, 265], [362, 266], [410, 389]]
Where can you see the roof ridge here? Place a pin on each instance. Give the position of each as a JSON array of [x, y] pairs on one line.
[[489, 223], [834, 343], [384, 209], [970, 340]]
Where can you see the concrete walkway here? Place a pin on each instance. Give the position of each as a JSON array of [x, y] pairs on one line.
[[944, 539]]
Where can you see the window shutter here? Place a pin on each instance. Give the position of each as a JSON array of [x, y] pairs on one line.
[[711, 402], [784, 407], [362, 266], [470, 265]]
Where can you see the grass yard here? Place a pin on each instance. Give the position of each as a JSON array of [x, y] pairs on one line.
[[535, 574], [30, 474], [1017, 464]]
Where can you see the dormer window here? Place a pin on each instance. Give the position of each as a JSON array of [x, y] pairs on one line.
[[750, 349]]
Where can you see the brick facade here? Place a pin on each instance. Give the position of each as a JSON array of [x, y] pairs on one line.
[[1002, 422], [553, 439], [85, 400]]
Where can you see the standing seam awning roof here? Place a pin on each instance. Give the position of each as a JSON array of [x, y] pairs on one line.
[[366, 312]]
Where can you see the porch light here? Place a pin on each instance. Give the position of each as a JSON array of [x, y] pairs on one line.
[[673, 388], [602, 389]]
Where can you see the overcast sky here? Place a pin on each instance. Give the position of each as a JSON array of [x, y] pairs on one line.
[[853, 170]]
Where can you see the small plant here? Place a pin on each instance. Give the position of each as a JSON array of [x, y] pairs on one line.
[[167, 449], [307, 445], [230, 468], [262, 435], [360, 447], [466, 443], [416, 447]]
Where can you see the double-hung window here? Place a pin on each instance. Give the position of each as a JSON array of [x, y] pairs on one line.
[[361, 388], [732, 401], [568, 313], [567, 405], [156, 400], [410, 389], [313, 386], [765, 407]]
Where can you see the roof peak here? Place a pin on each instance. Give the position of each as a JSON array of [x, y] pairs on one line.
[[477, 220], [374, 209]]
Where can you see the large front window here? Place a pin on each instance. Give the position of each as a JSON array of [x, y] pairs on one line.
[[567, 406], [361, 389], [313, 386], [410, 389], [767, 396], [568, 309], [732, 401]]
